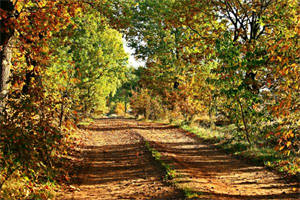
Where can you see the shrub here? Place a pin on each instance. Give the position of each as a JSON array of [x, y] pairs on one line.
[[120, 109], [146, 104]]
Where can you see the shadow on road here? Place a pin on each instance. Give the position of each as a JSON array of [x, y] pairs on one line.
[[129, 167]]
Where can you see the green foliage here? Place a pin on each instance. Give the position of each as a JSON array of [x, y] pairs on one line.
[[236, 85], [93, 66], [242, 56], [125, 92]]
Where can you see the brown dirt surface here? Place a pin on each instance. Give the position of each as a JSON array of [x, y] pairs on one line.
[[118, 166]]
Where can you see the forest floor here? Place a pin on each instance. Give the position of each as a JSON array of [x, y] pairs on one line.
[[117, 165]]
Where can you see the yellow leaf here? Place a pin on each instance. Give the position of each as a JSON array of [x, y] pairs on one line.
[[294, 65], [279, 58], [281, 148], [288, 144], [45, 49], [31, 67]]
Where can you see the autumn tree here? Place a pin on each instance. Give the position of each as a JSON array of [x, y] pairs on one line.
[[173, 61], [6, 33], [246, 64], [29, 134], [254, 44]]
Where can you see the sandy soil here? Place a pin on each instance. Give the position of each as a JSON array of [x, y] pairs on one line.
[[118, 166]]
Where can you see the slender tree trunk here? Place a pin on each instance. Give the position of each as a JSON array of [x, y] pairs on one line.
[[245, 123], [211, 113], [62, 109], [5, 59], [5, 62], [5, 49]]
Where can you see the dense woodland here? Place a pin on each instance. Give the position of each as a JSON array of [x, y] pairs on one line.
[[216, 63]]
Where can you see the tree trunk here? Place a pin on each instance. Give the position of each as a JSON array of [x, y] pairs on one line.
[[211, 113], [5, 59], [5, 48], [125, 107], [5, 62], [61, 117], [246, 130]]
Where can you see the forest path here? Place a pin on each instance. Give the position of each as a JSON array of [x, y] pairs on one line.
[[118, 166]]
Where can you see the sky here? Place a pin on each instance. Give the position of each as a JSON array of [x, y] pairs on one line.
[[132, 60]]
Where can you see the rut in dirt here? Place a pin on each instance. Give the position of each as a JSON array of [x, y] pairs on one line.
[[118, 166]]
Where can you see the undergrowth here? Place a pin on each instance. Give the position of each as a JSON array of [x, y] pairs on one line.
[[45, 181], [21, 187], [86, 121]]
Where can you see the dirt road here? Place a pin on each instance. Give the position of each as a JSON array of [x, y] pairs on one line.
[[118, 166]]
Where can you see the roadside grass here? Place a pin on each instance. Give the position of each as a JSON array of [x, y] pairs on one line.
[[86, 121], [258, 154], [190, 194], [22, 187]]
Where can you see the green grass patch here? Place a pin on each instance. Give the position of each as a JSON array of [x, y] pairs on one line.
[[171, 174], [190, 194], [86, 122], [169, 171], [205, 134]]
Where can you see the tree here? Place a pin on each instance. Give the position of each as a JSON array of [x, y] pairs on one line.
[[254, 43], [93, 63], [6, 33], [29, 134]]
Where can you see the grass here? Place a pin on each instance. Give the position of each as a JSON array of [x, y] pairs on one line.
[[190, 194], [261, 155], [171, 174], [85, 122], [21, 187]]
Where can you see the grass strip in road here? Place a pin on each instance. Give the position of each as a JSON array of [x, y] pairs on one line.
[[170, 173]]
